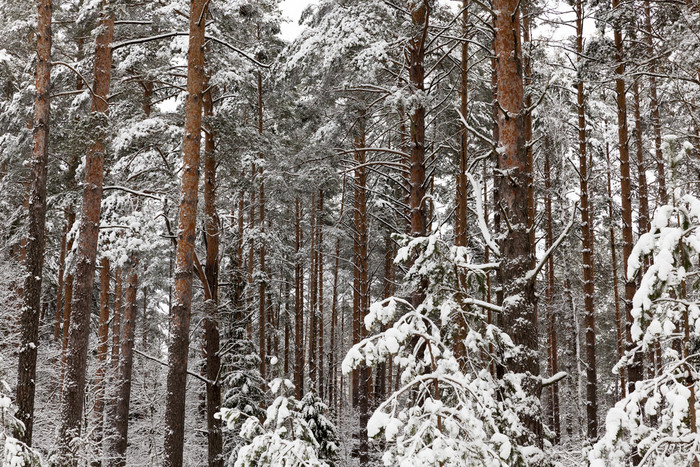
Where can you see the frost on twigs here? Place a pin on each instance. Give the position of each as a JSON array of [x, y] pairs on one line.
[[658, 421], [294, 433], [13, 453], [445, 412]]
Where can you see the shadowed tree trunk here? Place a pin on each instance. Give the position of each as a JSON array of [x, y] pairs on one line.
[[587, 241], [552, 349], [31, 300], [102, 347], [634, 368], [298, 306], [180, 319], [59, 287], [117, 454], [512, 180], [79, 332], [211, 323]]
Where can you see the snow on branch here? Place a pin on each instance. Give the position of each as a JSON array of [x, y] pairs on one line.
[[480, 216], [532, 273]]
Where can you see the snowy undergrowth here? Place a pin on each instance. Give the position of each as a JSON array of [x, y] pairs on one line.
[[445, 412], [658, 421]]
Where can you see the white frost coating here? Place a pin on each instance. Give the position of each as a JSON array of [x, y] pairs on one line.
[[480, 216]]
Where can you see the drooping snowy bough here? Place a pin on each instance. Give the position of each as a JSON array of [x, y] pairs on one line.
[[446, 412], [658, 421]]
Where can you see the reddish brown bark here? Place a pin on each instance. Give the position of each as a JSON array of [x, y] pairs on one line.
[[616, 285], [587, 242], [118, 442], [655, 114], [88, 231], [31, 300], [634, 370], [180, 319], [512, 179], [59, 288], [102, 347], [66, 325], [116, 321], [211, 268]]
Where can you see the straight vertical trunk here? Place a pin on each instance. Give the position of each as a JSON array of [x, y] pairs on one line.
[[66, 325], [634, 369], [519, 316], [102, 348], [180, 319], [79, 333], [313, 298], [655, 117], [461, 225], [319, 266], [298, 307], [587, 243], [616, 285], [117, 455], [643, 219], [261, 292], [361, 301], [552, 349], [59, 288], [31, 300], [211, 268], [332, 370], [116, 321]]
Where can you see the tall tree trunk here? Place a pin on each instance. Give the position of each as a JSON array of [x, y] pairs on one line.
[[31, 300], [117, 454], [616, 285], [655, 116], [332, 367], [643, 220], [587, 241], [519, 317], [361, 269], [88, 231], [313, 298], [634, 369], [319, 267], [67, 301], [261, 292], [461, 224], [102, 348], [180, 319], [59, 287], [552, 348], [116, 320], [298, 307], [211, 322]]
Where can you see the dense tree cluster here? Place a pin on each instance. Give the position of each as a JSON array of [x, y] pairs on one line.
[[423, 232]]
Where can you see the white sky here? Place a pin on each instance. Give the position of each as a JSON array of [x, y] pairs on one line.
[[292, 10]]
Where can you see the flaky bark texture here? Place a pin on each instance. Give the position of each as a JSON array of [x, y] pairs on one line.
[[211, 321], [116, 321], [587, 242], [180, 319], [31, 303], [512, 179], [117, 455], [79, 333]]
